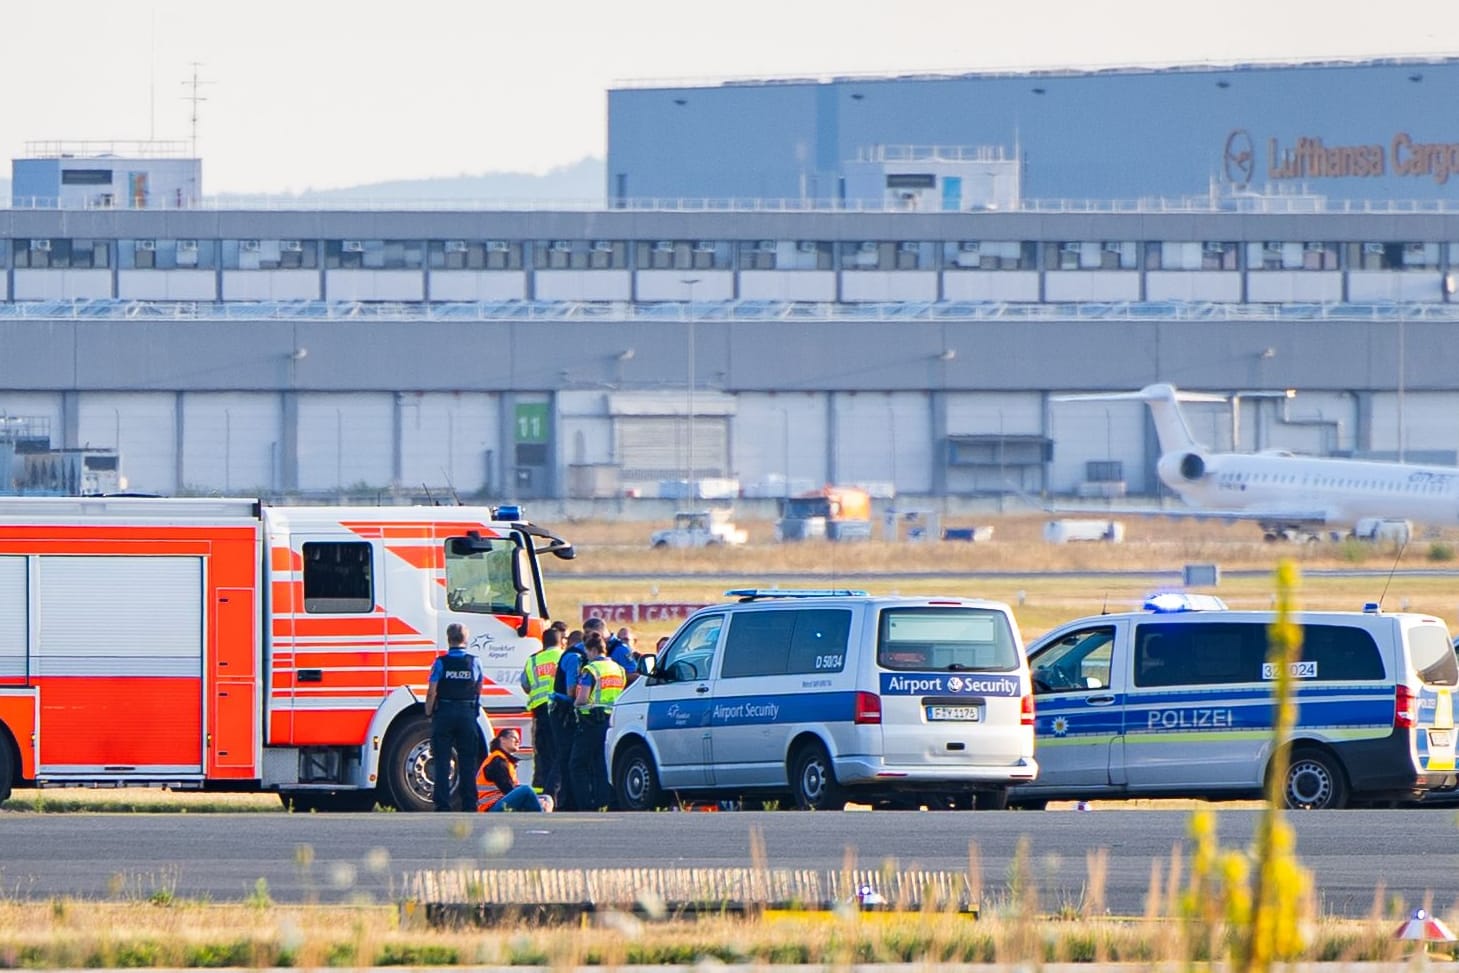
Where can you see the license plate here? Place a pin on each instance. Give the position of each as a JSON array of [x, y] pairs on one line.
[[1439, 738], [953, 714]]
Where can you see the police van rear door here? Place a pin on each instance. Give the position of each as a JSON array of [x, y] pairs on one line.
[[951, 688], [1432, 656]]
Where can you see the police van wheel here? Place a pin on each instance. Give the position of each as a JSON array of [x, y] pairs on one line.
[[637, 780], [814, 780], [407, 768], [1314, 782]]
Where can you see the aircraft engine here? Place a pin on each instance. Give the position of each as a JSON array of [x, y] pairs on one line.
[[1182, 467]]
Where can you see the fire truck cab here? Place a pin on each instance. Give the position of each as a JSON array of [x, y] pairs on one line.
[[221, 644]]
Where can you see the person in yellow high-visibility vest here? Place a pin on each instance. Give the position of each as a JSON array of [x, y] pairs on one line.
[[538, 675], [599, 687]]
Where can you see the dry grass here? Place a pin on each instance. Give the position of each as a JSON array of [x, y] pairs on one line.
[[137, 800], [66, 933]]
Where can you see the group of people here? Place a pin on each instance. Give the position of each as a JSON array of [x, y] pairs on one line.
[[571, 684]]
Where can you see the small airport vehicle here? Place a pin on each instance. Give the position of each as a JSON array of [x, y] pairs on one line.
[[830, 696], [223, 644], [700, 528], [1175, 701], [834, 513]]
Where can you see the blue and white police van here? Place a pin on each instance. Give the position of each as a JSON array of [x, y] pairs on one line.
[[1173, 702], [825, 697]]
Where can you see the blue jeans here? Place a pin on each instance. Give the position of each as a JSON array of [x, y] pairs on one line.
[[519, 798]]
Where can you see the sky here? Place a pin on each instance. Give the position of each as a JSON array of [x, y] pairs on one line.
[[316, 94]]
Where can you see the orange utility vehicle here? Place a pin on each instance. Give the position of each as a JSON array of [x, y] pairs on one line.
[[837, 513], [220, 644]]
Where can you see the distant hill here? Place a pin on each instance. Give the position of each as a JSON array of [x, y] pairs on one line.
[[582, 181]]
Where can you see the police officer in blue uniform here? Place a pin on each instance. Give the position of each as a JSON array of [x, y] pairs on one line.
[[565, 721], [453, 702]]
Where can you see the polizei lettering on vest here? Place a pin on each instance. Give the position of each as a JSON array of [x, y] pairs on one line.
[[457, 674]]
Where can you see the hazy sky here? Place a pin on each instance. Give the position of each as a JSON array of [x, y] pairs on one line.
[[326, 93]]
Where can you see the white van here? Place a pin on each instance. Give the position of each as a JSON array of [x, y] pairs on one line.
[[830, 696], [1178, 703]]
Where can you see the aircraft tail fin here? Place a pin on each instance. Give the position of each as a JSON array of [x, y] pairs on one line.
[[1164, 401]]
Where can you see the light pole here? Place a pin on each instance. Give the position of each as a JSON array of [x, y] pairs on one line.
[[689, 282]]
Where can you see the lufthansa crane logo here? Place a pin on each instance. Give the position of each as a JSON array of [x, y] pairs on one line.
[[1239, 158]]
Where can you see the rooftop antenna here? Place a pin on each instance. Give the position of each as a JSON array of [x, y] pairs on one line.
[[193, 84], [1392, 571]]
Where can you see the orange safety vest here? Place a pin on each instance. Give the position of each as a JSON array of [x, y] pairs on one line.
[[487, 793]]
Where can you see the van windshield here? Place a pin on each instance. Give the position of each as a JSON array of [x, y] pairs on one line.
[[948, 639]]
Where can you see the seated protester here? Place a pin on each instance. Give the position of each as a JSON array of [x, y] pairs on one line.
[[496, 786]]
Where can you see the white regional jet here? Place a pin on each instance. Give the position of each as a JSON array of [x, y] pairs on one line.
[[1287, 494]]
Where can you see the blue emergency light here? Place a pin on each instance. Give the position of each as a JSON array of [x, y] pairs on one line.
[[507, 511], [1169, 602]]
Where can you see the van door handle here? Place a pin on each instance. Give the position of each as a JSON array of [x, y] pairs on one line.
[[1100, 700], [701, 689]]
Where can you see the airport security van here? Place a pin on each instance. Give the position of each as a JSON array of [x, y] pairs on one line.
[[1173, 702], [830, 696]]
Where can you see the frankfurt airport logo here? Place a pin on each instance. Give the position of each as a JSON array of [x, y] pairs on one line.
[[1239, 158]]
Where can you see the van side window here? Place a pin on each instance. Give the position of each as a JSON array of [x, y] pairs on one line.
[[691, 655], [949, 639], [1199, 654], [781, 642], [758, 643], [1341, 653], [1433, 655], [1081, 660]]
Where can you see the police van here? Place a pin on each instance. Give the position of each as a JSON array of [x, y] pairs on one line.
[[1173, 702], [828, 696]]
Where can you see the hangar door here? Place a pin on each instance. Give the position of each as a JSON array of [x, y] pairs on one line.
[[658, 447]]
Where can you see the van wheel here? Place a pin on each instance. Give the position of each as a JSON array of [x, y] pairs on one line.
[[1314, 782], [637, 780], [814, 780], [990, 799], [408, 767]]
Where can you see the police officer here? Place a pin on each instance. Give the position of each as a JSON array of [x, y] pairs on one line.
[[620, 650], [453, 702], [565, 721], [599, 687], [538, 675]]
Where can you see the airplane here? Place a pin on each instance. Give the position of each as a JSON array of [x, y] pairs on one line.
[[1290, 496]]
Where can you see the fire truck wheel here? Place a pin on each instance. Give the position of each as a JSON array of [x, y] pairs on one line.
[[7, 768], [407, 769]]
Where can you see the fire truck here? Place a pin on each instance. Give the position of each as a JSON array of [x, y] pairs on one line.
[[223, 644]]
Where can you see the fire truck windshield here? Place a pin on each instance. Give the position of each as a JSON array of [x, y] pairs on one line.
[[479, 576]]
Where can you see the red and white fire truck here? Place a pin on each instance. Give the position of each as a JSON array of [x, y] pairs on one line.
[[222, 644]]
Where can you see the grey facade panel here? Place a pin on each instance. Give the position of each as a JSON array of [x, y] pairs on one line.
[[850, 356]]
